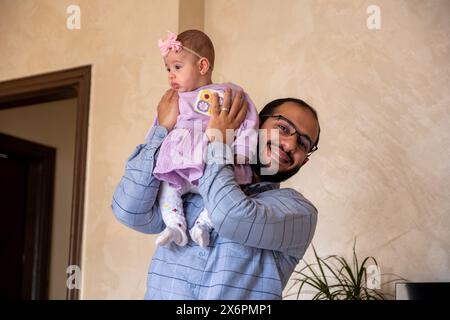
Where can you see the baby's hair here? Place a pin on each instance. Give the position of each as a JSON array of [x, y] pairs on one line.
[[199, 42]]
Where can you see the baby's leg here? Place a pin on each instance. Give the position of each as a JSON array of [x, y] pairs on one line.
[[202, 228], [171, 206]]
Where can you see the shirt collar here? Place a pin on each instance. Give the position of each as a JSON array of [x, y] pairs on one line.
[[259, 187]]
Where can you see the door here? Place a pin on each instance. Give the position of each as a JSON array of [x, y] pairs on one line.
[[13, 187], [54, 86], [26, 198]]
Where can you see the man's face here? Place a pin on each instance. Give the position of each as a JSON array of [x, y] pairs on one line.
[[183, 72], [285, 150]]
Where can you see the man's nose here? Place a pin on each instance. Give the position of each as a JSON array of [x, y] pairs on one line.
[[289, 143]]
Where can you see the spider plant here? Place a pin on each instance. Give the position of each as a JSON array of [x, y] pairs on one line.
[[334, 278]]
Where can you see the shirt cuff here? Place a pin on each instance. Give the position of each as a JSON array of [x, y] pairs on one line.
[[219, 153], [156, 136]]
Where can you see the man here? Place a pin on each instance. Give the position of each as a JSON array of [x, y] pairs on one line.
[[260, 231]]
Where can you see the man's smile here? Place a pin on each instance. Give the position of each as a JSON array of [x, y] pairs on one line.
[[278, 154]]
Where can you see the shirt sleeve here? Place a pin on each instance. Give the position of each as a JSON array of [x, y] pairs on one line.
[[135, 199], [280, 219]]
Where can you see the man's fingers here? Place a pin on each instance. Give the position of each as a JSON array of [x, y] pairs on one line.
[[171, 96], [168, 93], [242, 113], [167, 96], [215, 105], [174, 95], [226, 101], [236, 105]]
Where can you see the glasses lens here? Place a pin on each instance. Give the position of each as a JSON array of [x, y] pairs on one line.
[[303, 142], [285, 127]]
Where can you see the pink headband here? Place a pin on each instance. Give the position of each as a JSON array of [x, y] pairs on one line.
[[173, 44]]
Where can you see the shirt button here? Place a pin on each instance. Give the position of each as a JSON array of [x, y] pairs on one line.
[[160, 132], [201, 254]]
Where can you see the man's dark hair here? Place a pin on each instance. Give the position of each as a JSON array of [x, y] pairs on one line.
[[270, 109]]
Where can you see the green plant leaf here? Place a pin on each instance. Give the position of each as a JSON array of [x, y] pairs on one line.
[[334, 278]]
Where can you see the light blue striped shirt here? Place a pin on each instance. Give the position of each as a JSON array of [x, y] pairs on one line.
[[260, 233]]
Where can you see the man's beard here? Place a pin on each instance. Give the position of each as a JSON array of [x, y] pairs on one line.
[[277, 177]]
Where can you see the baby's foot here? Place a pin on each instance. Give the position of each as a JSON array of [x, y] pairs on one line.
[[200, 234], [172, 234]]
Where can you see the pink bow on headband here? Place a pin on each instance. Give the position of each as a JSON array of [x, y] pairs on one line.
[[170, 44]]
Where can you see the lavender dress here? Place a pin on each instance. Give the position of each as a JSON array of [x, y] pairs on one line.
[[181, 155]]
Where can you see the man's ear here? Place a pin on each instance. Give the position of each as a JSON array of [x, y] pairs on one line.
[[203, 65]]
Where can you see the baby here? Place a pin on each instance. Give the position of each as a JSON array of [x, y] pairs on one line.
[[189, 59]]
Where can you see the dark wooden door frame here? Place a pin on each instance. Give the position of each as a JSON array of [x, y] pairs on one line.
[[59, 85], [40, 162]]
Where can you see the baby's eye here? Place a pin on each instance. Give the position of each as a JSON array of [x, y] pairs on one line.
[[167, 69], [178, 67]]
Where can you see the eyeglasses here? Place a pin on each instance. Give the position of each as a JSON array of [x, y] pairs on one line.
[[287, 128]]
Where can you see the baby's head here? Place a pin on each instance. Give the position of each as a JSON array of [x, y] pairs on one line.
[[189, 59]]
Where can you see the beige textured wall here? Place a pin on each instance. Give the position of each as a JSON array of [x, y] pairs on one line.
[[37, 123], [191, 15], [128, 78], [382, 172]]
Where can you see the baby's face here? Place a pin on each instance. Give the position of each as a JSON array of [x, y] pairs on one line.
[[183, 71]]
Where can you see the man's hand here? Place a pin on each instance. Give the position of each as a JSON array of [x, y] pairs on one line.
[[229, 116], [167, 110]]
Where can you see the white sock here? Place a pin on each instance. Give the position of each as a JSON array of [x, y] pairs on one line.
[[172, 234], [171, 206], [200, 232]]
